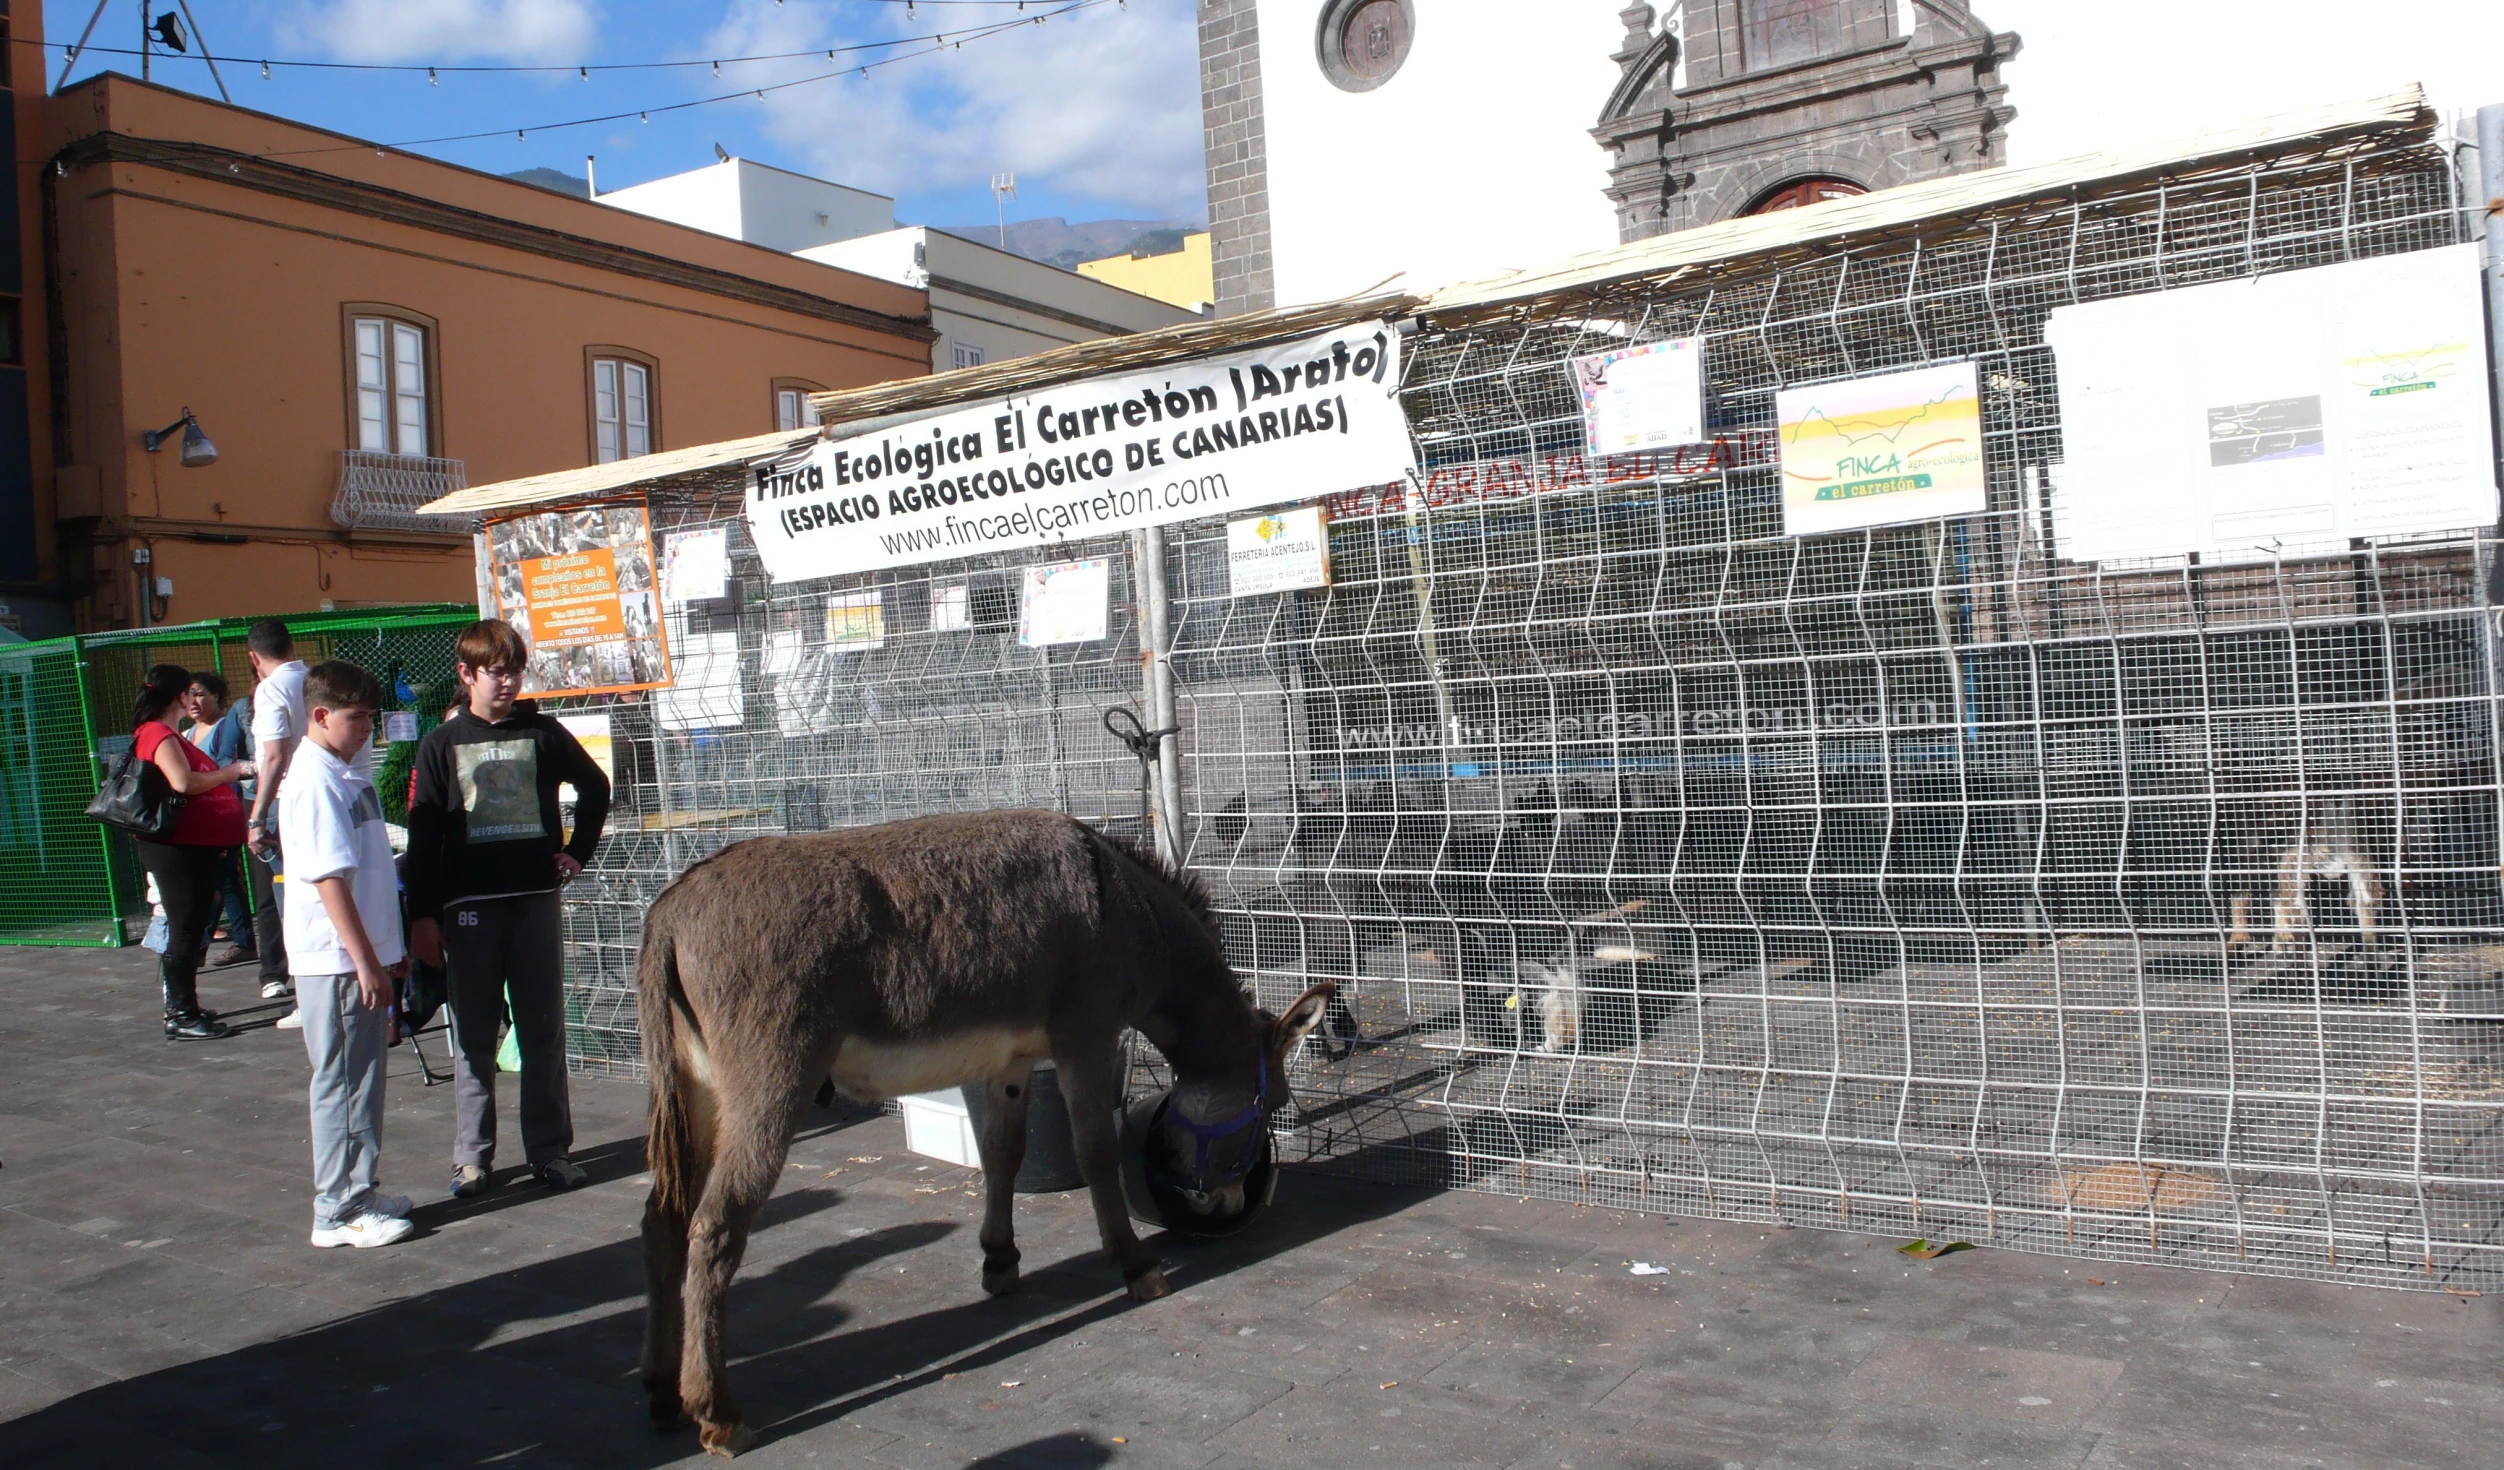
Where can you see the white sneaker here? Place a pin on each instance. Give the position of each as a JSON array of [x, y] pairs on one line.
[[368, 1229], [292, 1021], [274, 989], [394, 1205]]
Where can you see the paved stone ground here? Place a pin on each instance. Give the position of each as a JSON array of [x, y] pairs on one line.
[[159, 1305]]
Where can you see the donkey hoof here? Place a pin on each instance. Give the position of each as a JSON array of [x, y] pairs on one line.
[[667, 1414], [1000, 1280], [727, 1440], [1148, 1285]]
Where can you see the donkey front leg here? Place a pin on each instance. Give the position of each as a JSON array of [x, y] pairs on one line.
[[1090, 1082], [1003, 1149]]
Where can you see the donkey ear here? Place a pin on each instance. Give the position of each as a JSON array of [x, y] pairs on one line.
[[1302, 1017]]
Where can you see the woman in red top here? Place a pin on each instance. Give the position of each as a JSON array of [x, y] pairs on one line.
[[185, 864]]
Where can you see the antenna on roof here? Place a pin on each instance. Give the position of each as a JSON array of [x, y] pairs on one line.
[[165, 30], [1003, 189]]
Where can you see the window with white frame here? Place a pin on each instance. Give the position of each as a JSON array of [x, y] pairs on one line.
[[967, 354], [792, 409], [621, 408], [391, 409]]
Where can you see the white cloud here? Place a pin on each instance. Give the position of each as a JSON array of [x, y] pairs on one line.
[[512, 31], [1104, 103]]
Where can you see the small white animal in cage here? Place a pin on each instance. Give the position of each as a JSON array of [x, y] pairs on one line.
[[1561, 991], [2332, 840], [2333, 847]]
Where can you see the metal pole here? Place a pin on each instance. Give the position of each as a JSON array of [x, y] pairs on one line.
[[70, 59], [206, 54], [1159, 656], [95, 772], [2490, 210]]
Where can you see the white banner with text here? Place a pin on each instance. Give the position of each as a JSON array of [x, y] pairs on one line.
[[1219, 436]]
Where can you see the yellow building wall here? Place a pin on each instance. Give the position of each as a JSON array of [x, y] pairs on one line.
[[1185, 278]]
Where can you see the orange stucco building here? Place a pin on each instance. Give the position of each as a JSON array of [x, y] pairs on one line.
[[342, 318]]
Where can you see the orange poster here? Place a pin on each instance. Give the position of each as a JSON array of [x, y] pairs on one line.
[[573, 598], [579, 584]]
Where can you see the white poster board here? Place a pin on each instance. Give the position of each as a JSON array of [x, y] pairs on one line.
[[695, 566], [857, 621], [1279, 552], [2239, 419], [1881, 450], [1065, 602], [1648, 396], [1077, 460], [708, 694]]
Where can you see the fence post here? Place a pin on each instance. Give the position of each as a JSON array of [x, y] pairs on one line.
[[2490, 212], [104, 834], [1159, 651]]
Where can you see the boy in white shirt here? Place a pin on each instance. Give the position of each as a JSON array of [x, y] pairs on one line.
[[344, 946]]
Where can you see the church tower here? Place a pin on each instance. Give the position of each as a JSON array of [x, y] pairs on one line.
[[1781, 103]]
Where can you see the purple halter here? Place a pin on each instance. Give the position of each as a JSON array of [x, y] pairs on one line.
[[1208, 1133]]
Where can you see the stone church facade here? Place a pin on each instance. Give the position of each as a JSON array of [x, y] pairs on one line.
[[1789, 101], [1725, 108]]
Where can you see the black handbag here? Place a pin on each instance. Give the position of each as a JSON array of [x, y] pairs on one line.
[[136, 798]]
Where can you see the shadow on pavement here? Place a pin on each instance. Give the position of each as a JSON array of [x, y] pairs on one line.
[[456, 1376]]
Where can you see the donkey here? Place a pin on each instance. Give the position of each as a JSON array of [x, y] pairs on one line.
[[908, 957]]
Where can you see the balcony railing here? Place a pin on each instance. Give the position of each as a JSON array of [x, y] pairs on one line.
[[381, 492]]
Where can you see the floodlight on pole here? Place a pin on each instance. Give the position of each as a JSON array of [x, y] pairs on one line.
[[1003, 189]]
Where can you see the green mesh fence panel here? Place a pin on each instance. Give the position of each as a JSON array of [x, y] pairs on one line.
[[57, 883], [63, 704]]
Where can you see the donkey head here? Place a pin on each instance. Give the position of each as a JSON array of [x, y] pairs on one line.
[[1212, 1132]]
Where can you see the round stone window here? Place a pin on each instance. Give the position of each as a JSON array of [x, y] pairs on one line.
[[1362, 42]]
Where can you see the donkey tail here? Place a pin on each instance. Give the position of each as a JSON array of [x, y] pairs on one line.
[[669, 1145]]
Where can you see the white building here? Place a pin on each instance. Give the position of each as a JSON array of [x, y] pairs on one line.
[[990, 304], [1464, 151], [986, 304], [760, 204]]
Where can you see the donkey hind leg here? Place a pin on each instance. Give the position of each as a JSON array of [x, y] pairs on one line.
[[1090, 1082], [1003, 1149], [664, 1330], [751, 1138]]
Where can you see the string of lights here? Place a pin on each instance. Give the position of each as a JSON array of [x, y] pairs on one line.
[[433, 70], [944, 41]]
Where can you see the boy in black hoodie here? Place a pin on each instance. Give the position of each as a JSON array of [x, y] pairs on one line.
[[487, 854]]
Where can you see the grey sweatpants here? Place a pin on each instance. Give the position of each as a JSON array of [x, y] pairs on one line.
[[492, 946], [347, 1041]]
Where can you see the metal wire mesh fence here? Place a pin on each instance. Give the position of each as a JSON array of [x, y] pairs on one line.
[[66, 702], [821, 705], [1911, 879]]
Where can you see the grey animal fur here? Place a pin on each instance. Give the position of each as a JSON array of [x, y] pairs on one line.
[[1002, 935]]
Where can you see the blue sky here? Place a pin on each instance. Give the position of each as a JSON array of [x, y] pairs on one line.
[[1096, 110]]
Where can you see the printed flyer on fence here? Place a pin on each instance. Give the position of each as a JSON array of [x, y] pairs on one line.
[[580, 584], [1881, 450], [1221, 436], [1648, 396]]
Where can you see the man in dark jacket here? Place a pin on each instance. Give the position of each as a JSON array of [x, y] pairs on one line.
[[487, 854]]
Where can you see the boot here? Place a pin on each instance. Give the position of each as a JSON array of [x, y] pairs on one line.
[[184, 1020]]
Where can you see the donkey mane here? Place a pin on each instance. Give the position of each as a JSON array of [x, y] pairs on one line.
[[1187, 885]]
